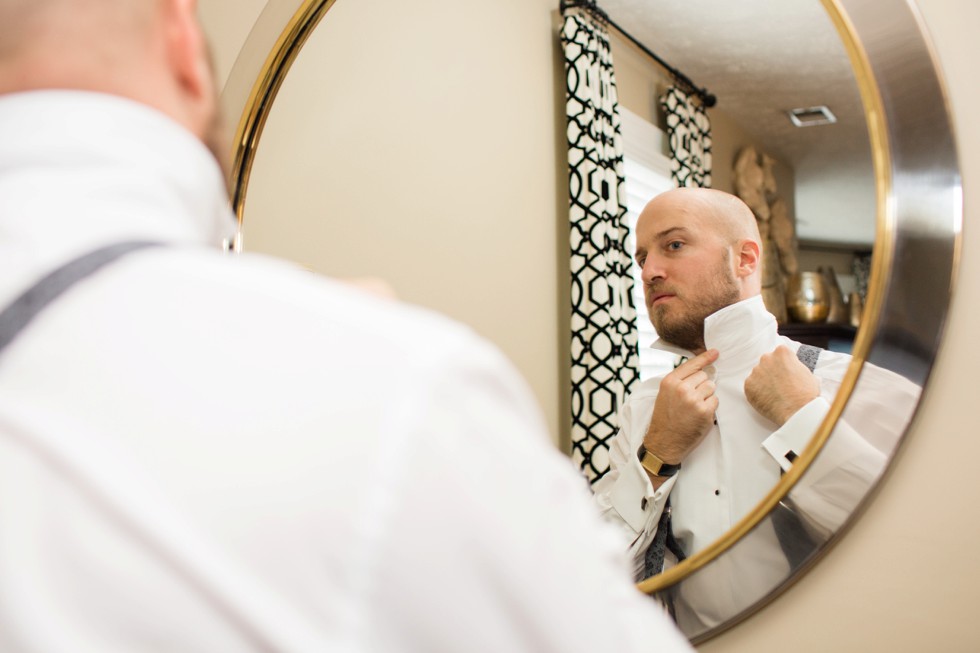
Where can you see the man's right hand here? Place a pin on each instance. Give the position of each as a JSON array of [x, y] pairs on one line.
[[684, 411]]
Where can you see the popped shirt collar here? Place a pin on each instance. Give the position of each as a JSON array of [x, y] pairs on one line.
[[737, 331]]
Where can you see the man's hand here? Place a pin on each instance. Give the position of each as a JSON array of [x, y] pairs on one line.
[[373, 285], [684, 410], [780, 385]]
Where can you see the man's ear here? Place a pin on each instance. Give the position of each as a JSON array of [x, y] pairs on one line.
[[187, 49], [748, 257]]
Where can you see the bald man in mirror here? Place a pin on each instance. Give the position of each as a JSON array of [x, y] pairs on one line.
[[712, 437], [202, 451]]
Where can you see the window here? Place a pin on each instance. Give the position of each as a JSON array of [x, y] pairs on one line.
[[647, 172]]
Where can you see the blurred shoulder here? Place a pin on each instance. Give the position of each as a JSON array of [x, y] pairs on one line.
[[254, 288]]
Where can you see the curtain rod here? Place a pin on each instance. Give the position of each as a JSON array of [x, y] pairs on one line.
[[708, 99]]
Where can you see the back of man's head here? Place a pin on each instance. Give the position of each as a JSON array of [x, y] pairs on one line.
[[150, 51], [735, 223], [93, 39], [729, 216]]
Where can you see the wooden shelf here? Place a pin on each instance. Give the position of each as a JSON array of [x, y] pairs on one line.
[[835, 246], [837, 337]]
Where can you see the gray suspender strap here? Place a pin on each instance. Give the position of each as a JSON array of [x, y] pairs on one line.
[[795, 541], [32, 301], [808, 355]]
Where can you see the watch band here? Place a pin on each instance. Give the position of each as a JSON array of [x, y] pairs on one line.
[[654, 465]]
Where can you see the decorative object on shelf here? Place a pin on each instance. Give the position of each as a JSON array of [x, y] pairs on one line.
[[855, 308], [838, 309], [807, 298], [782, 232], [755, 184], [773, 285], [750, 181], [861, 268]]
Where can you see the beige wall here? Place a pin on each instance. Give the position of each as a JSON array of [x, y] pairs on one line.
[[228, 23], [429, 157], [906, 577]]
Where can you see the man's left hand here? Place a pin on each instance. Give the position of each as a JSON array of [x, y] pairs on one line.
[[780, 385]]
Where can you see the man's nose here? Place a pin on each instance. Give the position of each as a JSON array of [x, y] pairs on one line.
[[652, 270]]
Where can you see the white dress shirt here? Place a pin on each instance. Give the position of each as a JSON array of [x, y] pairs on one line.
[[742, 457], [208, 452]]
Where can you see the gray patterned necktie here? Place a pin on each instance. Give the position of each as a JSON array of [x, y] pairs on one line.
[[663, 541]]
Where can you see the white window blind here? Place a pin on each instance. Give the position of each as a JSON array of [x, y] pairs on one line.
[[647, 172]]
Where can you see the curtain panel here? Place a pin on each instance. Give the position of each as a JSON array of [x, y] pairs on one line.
[[689, 135], [604, 357]]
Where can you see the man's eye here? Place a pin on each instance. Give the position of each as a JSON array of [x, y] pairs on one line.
[[674, 245]]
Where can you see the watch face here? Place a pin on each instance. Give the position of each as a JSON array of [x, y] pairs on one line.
[[655, 466], [651, 462]]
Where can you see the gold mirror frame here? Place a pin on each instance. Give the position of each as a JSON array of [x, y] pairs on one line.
[[918, 195], [262, 85]]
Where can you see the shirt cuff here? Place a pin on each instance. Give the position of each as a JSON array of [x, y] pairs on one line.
[[786, 443], [634, 498]]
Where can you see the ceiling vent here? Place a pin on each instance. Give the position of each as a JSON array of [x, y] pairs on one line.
[[812, 116]]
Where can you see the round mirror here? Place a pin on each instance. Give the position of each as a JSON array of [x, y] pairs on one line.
[[916, 203]]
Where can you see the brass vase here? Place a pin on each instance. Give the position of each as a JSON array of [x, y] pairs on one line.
[[807, 298], [856, 308], [838, 308]]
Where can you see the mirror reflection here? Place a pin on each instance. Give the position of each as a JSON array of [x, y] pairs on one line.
[[751, 325], [805, 220], [753, 61], [783, 167]]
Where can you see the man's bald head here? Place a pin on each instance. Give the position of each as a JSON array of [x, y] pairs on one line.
[[56, 27], [150, 51], [710, 209]]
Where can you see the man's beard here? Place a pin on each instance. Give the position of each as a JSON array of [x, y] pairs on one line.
[[686, 329]]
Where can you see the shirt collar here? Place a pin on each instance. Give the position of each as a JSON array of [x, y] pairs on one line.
[[735, 330], [736, 327], [80, 168]]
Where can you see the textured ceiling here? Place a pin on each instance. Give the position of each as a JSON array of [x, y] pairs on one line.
[[760, 58]]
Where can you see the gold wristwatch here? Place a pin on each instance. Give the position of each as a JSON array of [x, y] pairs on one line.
[[654, 465]]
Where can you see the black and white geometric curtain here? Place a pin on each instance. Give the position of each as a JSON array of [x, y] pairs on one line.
[[689, 132], [604, 356]]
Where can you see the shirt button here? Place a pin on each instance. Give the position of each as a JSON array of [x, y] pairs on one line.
[[643, 504], [717, 493]]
